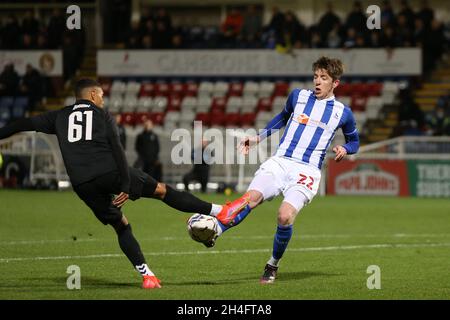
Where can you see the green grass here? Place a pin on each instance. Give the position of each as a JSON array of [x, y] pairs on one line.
[[335, 240]]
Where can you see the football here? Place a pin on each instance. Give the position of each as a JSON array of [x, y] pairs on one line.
[[202, 228]]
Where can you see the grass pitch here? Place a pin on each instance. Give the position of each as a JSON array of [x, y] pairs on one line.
[[335, 240]]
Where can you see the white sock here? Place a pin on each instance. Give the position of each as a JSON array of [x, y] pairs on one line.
[[144, 270], [273, 262], [215, 209]]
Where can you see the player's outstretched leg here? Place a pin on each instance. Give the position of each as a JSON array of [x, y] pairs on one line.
[[287, 213], [132, 250]]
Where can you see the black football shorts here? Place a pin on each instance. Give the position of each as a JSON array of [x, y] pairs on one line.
[[98, 193]]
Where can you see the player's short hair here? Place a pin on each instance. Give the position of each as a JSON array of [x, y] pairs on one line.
[[333, 67], [84, 84]]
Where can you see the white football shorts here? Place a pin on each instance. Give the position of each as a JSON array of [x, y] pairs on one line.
[[282, 175]]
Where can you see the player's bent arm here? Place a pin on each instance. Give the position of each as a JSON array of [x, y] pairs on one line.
[[16, 127], [119, 155], [350, 133], [281, 119]]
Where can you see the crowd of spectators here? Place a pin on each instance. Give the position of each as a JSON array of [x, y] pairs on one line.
[[27, 33], [30, 85], [414, 122]]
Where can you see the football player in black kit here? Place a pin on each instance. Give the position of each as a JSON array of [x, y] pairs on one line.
[[98, 170]]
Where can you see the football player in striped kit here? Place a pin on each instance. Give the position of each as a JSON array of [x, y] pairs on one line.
[[311, 118]]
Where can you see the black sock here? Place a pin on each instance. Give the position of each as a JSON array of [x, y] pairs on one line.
[[186, 202], [130, 246]]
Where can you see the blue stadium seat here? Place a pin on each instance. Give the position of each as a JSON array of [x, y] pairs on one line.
[[19, 107]]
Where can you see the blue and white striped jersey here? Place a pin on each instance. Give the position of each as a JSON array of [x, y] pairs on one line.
[[310, 127]]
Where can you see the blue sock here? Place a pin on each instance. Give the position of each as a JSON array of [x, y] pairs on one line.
[[238, 219], [281, 240]]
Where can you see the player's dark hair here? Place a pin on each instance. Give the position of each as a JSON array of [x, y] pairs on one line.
[[333, 67], [84, 84]]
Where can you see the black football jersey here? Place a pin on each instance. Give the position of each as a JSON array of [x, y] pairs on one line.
[[89, 141]]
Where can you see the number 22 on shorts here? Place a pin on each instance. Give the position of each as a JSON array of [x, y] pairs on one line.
[[305, 180]]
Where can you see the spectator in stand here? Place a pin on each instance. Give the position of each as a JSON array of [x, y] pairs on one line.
[[134, 36], [32, 86], [162, 39], [408, 13], [27, 42], [29, 24], [316, 39], [146, 16], [438, 121], [10, 32], [70, 57], [328, 23], [200, 171], [388, 38], [356, 19], [147, 148], [360, 42], [375, 39], [177, 41], [350, 40], [231, 27], [404, 34], [294, 30], [333, 39], [147, 42], [276, 23], [387, 15], [251, 27], [411, 117], [434, 43], [56, 27], [122, 132], [426, 14], [163, 17], [41, 42], [9, 81]]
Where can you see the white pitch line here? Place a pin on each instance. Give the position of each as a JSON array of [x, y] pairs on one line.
[[302, 236], [179, 253]]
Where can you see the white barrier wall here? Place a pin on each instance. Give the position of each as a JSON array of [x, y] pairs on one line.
[[358, 62], [48, 62]]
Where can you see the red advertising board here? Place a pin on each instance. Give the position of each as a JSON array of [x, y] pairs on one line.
[[368, 177]]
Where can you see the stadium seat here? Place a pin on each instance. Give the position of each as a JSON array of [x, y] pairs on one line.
[[189, 103], [174, 102], [5, 108], [218, 104], [296, 85], [118, 88], [375, 88], [187, 116], [248, 119], [203, 117], [162, 89], [232, 120], [203, 104], [159, 104], [144, 104], [344, 89], [191, 89], [129, 104], [278, 103], [234, 104], [132, 88], [157, 118], [106, 87], [19, 107], [115, 104], [358, 102], [220, 89], [178, 88], [345, 100], [266, 89], [147, 89], [251, 88], [171, 120], [71, 100], [281, 89], [264, 104], [249, 104], [141, 117], [128, 119], [217, 118], [205, 89], [236, 89], [360, 118]]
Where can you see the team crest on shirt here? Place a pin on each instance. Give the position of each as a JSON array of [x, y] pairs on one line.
[[303, 118]]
